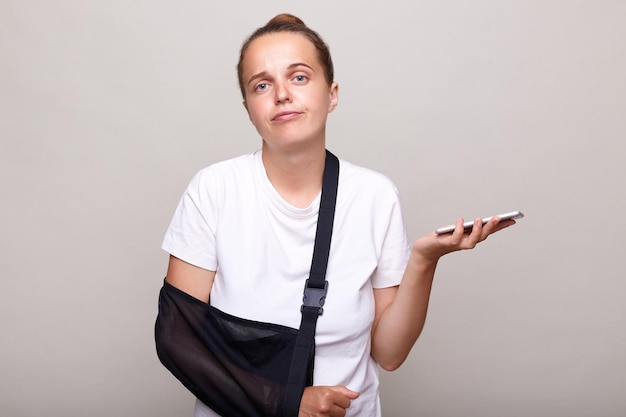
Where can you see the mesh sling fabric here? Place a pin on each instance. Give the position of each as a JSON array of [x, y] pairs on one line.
[[235, 366], [241, 367]]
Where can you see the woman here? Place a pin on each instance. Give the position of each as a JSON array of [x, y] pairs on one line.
[[244, 230]]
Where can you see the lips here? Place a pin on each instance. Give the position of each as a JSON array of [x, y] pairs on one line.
[[285, 116]]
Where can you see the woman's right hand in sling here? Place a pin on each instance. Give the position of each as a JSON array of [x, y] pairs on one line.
[[326, 401]]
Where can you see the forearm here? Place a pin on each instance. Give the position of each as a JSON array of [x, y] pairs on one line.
[[400, 324], [400, 315]]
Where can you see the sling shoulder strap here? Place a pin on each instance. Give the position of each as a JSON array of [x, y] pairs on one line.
[[315, 290]]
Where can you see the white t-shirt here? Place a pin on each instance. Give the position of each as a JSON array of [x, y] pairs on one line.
[[231, 220]]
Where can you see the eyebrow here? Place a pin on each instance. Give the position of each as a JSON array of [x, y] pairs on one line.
[[299, 64], [263, 74]]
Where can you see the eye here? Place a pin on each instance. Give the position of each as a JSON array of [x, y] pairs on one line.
[[300, 78], [261, 87]]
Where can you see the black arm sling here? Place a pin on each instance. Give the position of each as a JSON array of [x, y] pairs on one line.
[[241, 367]]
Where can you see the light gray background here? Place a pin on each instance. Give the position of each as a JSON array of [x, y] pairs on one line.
[[107, 108]]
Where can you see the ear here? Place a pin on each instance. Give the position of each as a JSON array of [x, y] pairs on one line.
[[334, 97], [245, 106]]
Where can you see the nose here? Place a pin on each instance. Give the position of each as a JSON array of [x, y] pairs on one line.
[[282, 93]]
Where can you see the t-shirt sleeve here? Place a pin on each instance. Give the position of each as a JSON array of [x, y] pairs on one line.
[[395, 245], [191, 233]]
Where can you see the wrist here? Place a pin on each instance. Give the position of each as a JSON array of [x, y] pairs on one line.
[[425, 253], [423, 266]]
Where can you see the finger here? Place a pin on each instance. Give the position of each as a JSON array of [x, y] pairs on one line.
[[344, 396], [345, 391], [474, 236], [342, 401], [504, 224], [489, 227], [495, 225], [459, 231]]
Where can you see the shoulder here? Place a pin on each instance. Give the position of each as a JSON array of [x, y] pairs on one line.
[[365, 179], [228, 167], [225, 171], [214, 181]]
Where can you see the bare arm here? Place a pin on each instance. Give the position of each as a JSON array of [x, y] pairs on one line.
[[400, 311], [191, 279]]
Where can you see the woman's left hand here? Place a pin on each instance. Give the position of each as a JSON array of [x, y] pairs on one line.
[[433, 246], [401, 311]]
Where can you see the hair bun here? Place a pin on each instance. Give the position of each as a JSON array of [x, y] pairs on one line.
[[286, 18]]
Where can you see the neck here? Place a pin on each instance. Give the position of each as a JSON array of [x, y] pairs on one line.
[[297, 175]]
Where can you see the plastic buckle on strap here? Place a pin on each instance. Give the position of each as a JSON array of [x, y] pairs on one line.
[[314, 297]]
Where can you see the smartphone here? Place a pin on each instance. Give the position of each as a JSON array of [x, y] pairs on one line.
[[468, 225]]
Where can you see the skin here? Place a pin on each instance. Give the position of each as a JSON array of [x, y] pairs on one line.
[[288, 101]]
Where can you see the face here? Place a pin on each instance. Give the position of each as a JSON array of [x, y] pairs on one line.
[[287, 96]]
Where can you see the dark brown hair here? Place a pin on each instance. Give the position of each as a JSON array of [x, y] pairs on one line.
[[289, 23]]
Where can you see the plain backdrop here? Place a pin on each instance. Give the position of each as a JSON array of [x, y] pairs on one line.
[[107, 108]]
